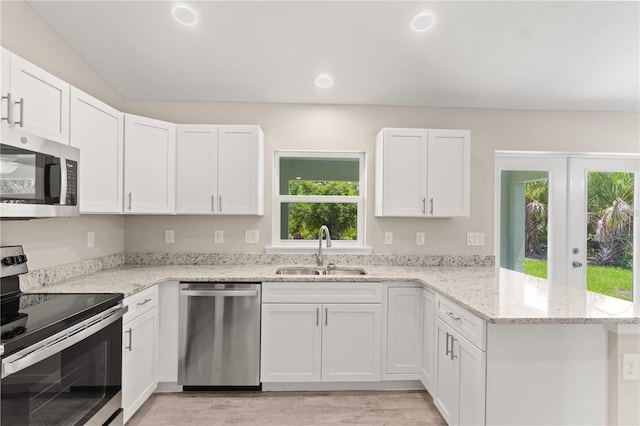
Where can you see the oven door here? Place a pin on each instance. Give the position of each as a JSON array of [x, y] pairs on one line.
[[71, 379]]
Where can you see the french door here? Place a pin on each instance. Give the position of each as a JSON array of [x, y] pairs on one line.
[[570, 218]]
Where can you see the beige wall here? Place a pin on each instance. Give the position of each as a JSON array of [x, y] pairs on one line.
[[624, 395], [299, 127]]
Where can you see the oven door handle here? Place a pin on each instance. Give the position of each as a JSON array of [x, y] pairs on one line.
[[61, 341]]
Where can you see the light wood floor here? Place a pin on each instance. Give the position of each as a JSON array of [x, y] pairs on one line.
[[289, 408]]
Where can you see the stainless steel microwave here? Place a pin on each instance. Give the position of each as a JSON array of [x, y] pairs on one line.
[[38, 177]]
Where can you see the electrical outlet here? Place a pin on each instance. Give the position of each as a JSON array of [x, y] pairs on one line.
[[251, 236], [475, 238], [419, 238], [218, 236], [630, 366], [388, 237], [91, 239], [168, 236]]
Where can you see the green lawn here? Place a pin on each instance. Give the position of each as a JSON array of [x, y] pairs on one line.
[[616, 282]]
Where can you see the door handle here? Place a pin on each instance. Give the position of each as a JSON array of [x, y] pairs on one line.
[[9, 117], [21, 122], [448, 352], [129, 201], [431, 206], [219, 293], [326, 317], [128, 347], [213, 203], [424, 206], [576, 264], [452, 355], [317, 317], [220, 203]]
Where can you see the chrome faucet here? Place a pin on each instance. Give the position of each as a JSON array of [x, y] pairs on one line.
[[319, 256]]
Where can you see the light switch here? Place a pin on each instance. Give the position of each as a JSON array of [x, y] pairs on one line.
[[91, 239], [218, 236], [419, 238], [475, 238], [168, 236]]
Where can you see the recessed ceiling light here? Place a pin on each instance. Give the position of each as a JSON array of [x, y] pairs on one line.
[[423, 21], [185, 15], [324, 80]]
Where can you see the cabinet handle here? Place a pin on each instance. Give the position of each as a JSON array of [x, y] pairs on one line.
[[21, 122], [220, 203], [431, 206], [317, 317], [448, 352], [129, 201], [453, 317], [128, 347], [9, 117], [213, 203], [145, 301], [452, 355], [326, 317], [424, 206]]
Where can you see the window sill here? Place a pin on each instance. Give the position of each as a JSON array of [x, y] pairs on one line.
[[314, 249]]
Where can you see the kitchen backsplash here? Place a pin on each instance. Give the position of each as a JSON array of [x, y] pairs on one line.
[[47, 276]]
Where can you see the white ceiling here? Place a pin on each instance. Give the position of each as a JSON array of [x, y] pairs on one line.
[[519, 55]]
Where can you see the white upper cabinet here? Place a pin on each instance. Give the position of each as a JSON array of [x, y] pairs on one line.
[[150, 166], [422, 173], [33, 100], [197, 169], [220, 170], [98, 131]]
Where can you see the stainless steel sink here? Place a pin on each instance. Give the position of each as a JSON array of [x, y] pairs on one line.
[[310, 270], [301, 270]]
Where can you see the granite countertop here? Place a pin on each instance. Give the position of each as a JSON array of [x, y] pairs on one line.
[[503, 297]]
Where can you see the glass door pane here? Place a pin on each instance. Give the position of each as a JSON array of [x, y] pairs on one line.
[[602, 235], [524, 226]]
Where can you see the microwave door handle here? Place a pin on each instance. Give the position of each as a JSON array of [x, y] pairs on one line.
[[63, 181]]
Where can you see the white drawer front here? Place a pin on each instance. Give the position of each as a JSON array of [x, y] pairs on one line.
[[140, 303], [464, 322], [321, 292]]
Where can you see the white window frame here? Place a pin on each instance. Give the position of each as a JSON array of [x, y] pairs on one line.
[[338, 246]]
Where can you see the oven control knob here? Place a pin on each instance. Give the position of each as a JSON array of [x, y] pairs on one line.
[[8, 261], [21, 258], [19, 330], [7, 335]]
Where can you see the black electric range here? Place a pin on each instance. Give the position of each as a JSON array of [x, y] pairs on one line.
[[28, 318]]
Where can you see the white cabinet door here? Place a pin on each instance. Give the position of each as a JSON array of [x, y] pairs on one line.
[[240, 170], [139, 361], [39, 101], [291, 342], [404, 330], [428, 340], [470, 382], [98, 131], [401, 175], [150, 165], [351, 342], [445, 398], [448, 170], [197, 169], [422, 173]]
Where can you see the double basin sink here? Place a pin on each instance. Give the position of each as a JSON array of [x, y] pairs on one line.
[[311, 270]]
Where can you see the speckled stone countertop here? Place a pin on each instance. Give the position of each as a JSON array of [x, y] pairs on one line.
[[502, 297]]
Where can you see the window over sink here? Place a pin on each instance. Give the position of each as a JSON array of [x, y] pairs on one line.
[[314, 188]]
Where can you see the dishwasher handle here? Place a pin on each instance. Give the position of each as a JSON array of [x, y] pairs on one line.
[[219, 293]]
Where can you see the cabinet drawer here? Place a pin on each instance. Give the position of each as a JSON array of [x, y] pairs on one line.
[[322, 292], [461, 320], [140, 303]]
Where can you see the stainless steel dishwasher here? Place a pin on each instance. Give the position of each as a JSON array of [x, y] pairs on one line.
[[219, 334]]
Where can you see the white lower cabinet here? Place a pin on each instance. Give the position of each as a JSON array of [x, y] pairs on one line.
[[320, 342], [139, 350], [427, 365], [460, 377], [404, 330]]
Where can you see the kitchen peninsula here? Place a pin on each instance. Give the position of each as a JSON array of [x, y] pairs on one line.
[[543, 350]]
